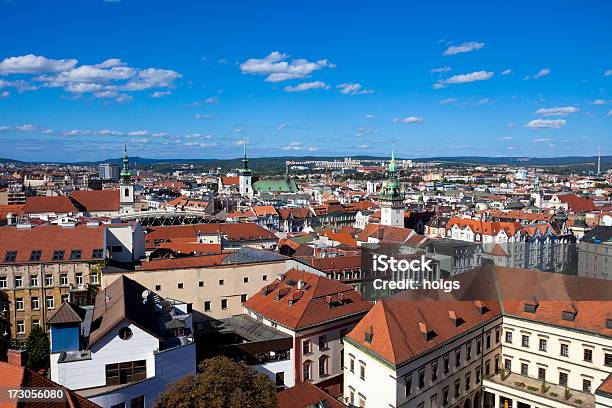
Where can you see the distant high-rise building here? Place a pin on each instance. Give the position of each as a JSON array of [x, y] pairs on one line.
[[108, 171]]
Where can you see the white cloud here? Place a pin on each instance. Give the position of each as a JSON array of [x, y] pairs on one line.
[[277, 69], [305, 86], [462, 48], [33, 64], [541, 140], [4, 94], [506, 72], [223, 61], [448, 101], [282, 126], [139, 133], [546, 124], [353, 89], [298, 146], [541, 73], [601, 102], [369, 116], [484, 101], [440, 70], [464, 78], [557, 111], [203, 116], [20, 85], [409, 120], [608, 72], [506, 138], [609, 113], [160, 94]]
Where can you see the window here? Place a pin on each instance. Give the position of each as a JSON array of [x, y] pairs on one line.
[[509, 337], [264, 278], [468, 352], [343, 332], [306, 371], [18, 282], [35, 303], [468, 383], [125, 373], [457, 357], [157, 288], [64, 298], [508, 364], [323, 366], [48, 280], [116, 248], [221, 282], [478, 375], [245, 279], [179, 285], [2, 281], [306, 349], [525, 340], [50, 303], [564, 350], [125, 333], [478, 347], [608, 359], [446, 364], [35, 255], [408, 385], [93, 278], [33, 281], [223, 304], [488, 367], [97, 253], [543, 345], [488, 340], [497, 334], [351, 395], [445, 396], [588, 355], [541, 373], [201, 284], [207, 306], [19, 303], [563, 379], [20, 327], [79, 278], [75, 254], [243, 298], [433, 401], [35, 323], [586, 385], [434, 371], [280, 379], [457, 388], [58, 255], [63, 279], [137, 402], [497, 367], [421, 383], [524, 369], [322, 342], [352, 363], [362, 370], [362, 401], [10, 256]]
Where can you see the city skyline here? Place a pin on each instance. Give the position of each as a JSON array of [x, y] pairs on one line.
[[194, 81]]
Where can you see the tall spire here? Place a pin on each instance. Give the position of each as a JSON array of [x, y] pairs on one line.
[[126, 174], [245, 162], [392, 165], [392, 188]]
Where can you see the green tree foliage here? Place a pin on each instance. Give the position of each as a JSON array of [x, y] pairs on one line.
[[221, 383], [37, 347]]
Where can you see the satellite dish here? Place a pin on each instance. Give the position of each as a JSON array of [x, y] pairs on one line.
[[145, 295]]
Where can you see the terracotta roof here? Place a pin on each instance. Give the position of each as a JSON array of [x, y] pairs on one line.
[[51, 204], [385, 233], [182, 263], [411, 323], [242, 214], [67, 313], [605, 388], [12, 376], [189, 246], [15, 209], [320, 300], [122, 300], [299, 213], [498, 251], [96, 200], [343, 237], [48, 239], [485, 227], [576, 203], [305, 395], [335, 263], [233, 232], [264, 210], [231, 180]]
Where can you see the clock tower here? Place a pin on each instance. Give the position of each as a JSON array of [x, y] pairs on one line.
[[244, 178], [392, 199], [126, 188]]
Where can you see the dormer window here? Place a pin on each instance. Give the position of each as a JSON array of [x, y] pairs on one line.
[[569, 316], [608, 323], [457, 321], [10, 256], [35, 255], [75, 254], [530, 308], [58, 255], [97, 253], [369, 335]]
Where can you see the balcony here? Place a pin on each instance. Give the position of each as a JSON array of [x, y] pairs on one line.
[[552, 392]]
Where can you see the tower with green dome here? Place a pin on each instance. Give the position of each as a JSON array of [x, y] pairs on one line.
[[392, 199], [244, 176]]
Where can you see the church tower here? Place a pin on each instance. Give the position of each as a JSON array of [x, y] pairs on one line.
[[246, 187], [537, 196], [392, 199], [126, 188]]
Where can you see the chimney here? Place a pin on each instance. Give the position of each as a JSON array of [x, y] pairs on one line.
[[16, 357], [300, 284]]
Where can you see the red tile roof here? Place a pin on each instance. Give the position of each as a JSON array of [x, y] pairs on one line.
[[335, 263], [319, 301], [264, 210], [97, 200], [48, 238], [233, 232], [51, 204], [305, 395], [299, 213], [576, 203], [183, 263], [485, 227], [14, 209], [231, 180]]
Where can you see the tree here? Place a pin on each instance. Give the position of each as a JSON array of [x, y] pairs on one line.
[[37, 347], [221, 383]]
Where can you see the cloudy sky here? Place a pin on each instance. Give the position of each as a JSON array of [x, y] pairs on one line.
[[195, 79]]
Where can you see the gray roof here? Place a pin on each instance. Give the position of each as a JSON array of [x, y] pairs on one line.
[[248, 328], [251, 255]]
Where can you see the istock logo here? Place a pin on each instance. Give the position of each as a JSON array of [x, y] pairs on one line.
[[384, 263]]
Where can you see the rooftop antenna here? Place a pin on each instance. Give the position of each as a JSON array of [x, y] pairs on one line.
[[599, 161]]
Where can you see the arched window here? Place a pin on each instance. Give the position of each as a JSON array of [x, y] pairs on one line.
[[323, 370], [306, 374], [127, 192]]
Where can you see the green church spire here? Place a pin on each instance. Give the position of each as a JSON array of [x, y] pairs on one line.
[[126, 174]]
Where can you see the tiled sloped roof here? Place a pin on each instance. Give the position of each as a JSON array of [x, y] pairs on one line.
[[15, 377], [498, 251], [230, 180], [407, 325], [300, 213], [339, 263], [263, 210], [605, 388], [51, 204], [121, 300], [305, 395], [67, 313], [181, 263], [577, 203], [485, 227], [96, 200], [49, 238], [234, 232], [320, 300]]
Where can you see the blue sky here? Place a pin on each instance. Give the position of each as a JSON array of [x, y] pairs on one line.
[[193, 79]]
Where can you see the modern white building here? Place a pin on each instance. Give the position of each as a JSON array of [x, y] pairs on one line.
[[126, 349]]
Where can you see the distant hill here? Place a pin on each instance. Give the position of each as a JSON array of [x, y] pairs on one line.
[[2, 160]]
